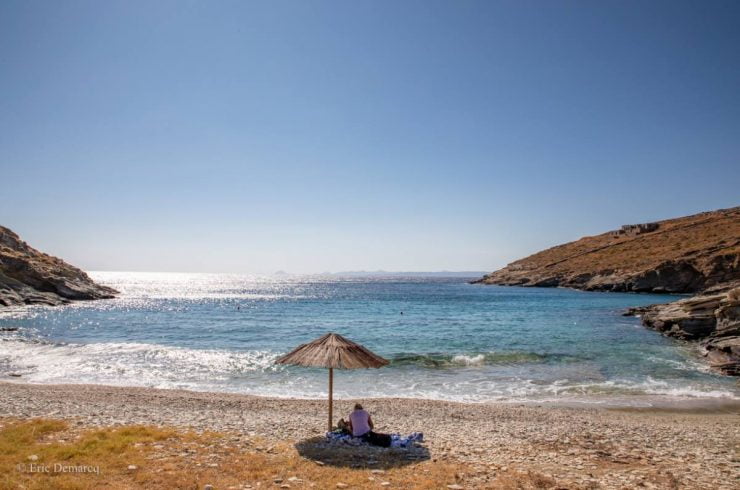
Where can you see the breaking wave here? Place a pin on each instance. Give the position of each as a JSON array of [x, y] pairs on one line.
[[255, 372], [443, 361], [127, 363]]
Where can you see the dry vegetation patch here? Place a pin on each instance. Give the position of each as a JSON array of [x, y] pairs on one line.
[[42, 454]]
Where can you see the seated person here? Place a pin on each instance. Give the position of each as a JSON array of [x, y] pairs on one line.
[[343, 427], [361, 425], [360, 422]]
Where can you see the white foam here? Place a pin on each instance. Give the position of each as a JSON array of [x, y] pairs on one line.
[[254, 372], [649, 386], [682, 365], [477, 360], [130, 363]]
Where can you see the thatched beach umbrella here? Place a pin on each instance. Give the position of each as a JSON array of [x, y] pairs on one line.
[[332, 351]]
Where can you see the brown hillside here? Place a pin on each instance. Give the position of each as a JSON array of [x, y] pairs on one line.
[[677, 255]]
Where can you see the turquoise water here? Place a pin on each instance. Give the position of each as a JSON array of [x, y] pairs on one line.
[[445, 338]]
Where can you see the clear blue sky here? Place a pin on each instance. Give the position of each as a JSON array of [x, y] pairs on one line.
[[311, 136]]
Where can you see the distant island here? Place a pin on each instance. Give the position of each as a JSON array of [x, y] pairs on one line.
[[390, 274], [693, 254], [29, 277]]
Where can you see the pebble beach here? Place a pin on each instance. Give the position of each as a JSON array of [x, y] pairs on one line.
[[577, 447]]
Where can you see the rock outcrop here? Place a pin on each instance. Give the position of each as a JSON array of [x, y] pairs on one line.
[[712, 318], [28, 276], [682, 255]]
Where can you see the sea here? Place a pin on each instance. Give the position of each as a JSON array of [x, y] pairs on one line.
[[445, 339]]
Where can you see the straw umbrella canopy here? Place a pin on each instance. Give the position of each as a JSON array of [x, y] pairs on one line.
[[332, 351]]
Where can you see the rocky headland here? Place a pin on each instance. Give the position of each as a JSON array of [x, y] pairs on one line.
[[697, 254], [682, 255], [28, 276]]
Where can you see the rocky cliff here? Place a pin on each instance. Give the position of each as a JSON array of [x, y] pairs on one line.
[[681, 255], [712, 318], [28, 276]]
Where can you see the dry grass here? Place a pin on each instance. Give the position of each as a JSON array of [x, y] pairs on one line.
[[42, 454], [168, 458], [700, 237]]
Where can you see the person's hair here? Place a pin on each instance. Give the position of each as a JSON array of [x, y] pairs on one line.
[[358, 406]]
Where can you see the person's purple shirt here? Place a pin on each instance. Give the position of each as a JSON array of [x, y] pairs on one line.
[[360, 422]]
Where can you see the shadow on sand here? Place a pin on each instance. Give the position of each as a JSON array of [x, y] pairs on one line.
[[370, 457]]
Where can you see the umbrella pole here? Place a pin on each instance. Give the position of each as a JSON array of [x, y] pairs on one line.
[[331, 389]]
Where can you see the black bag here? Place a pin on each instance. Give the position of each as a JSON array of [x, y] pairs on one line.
[[377, 439]]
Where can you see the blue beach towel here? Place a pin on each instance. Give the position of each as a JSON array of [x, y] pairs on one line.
[[397, 441]]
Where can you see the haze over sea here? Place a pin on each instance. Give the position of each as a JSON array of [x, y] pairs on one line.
[[446, 339]]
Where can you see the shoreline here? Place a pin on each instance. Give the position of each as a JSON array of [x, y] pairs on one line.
[[577, 446], [647, 402]]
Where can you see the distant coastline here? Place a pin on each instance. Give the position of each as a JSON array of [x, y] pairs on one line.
[[382, 273]]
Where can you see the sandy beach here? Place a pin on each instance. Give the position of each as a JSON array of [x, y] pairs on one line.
[[577, 447]]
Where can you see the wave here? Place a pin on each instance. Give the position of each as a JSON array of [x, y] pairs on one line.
[[441, 361], [648, 386], [127, 363], [128, 357], [681, 365], [254, 372]]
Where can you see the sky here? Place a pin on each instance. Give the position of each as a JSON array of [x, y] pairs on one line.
[[311, 136]]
